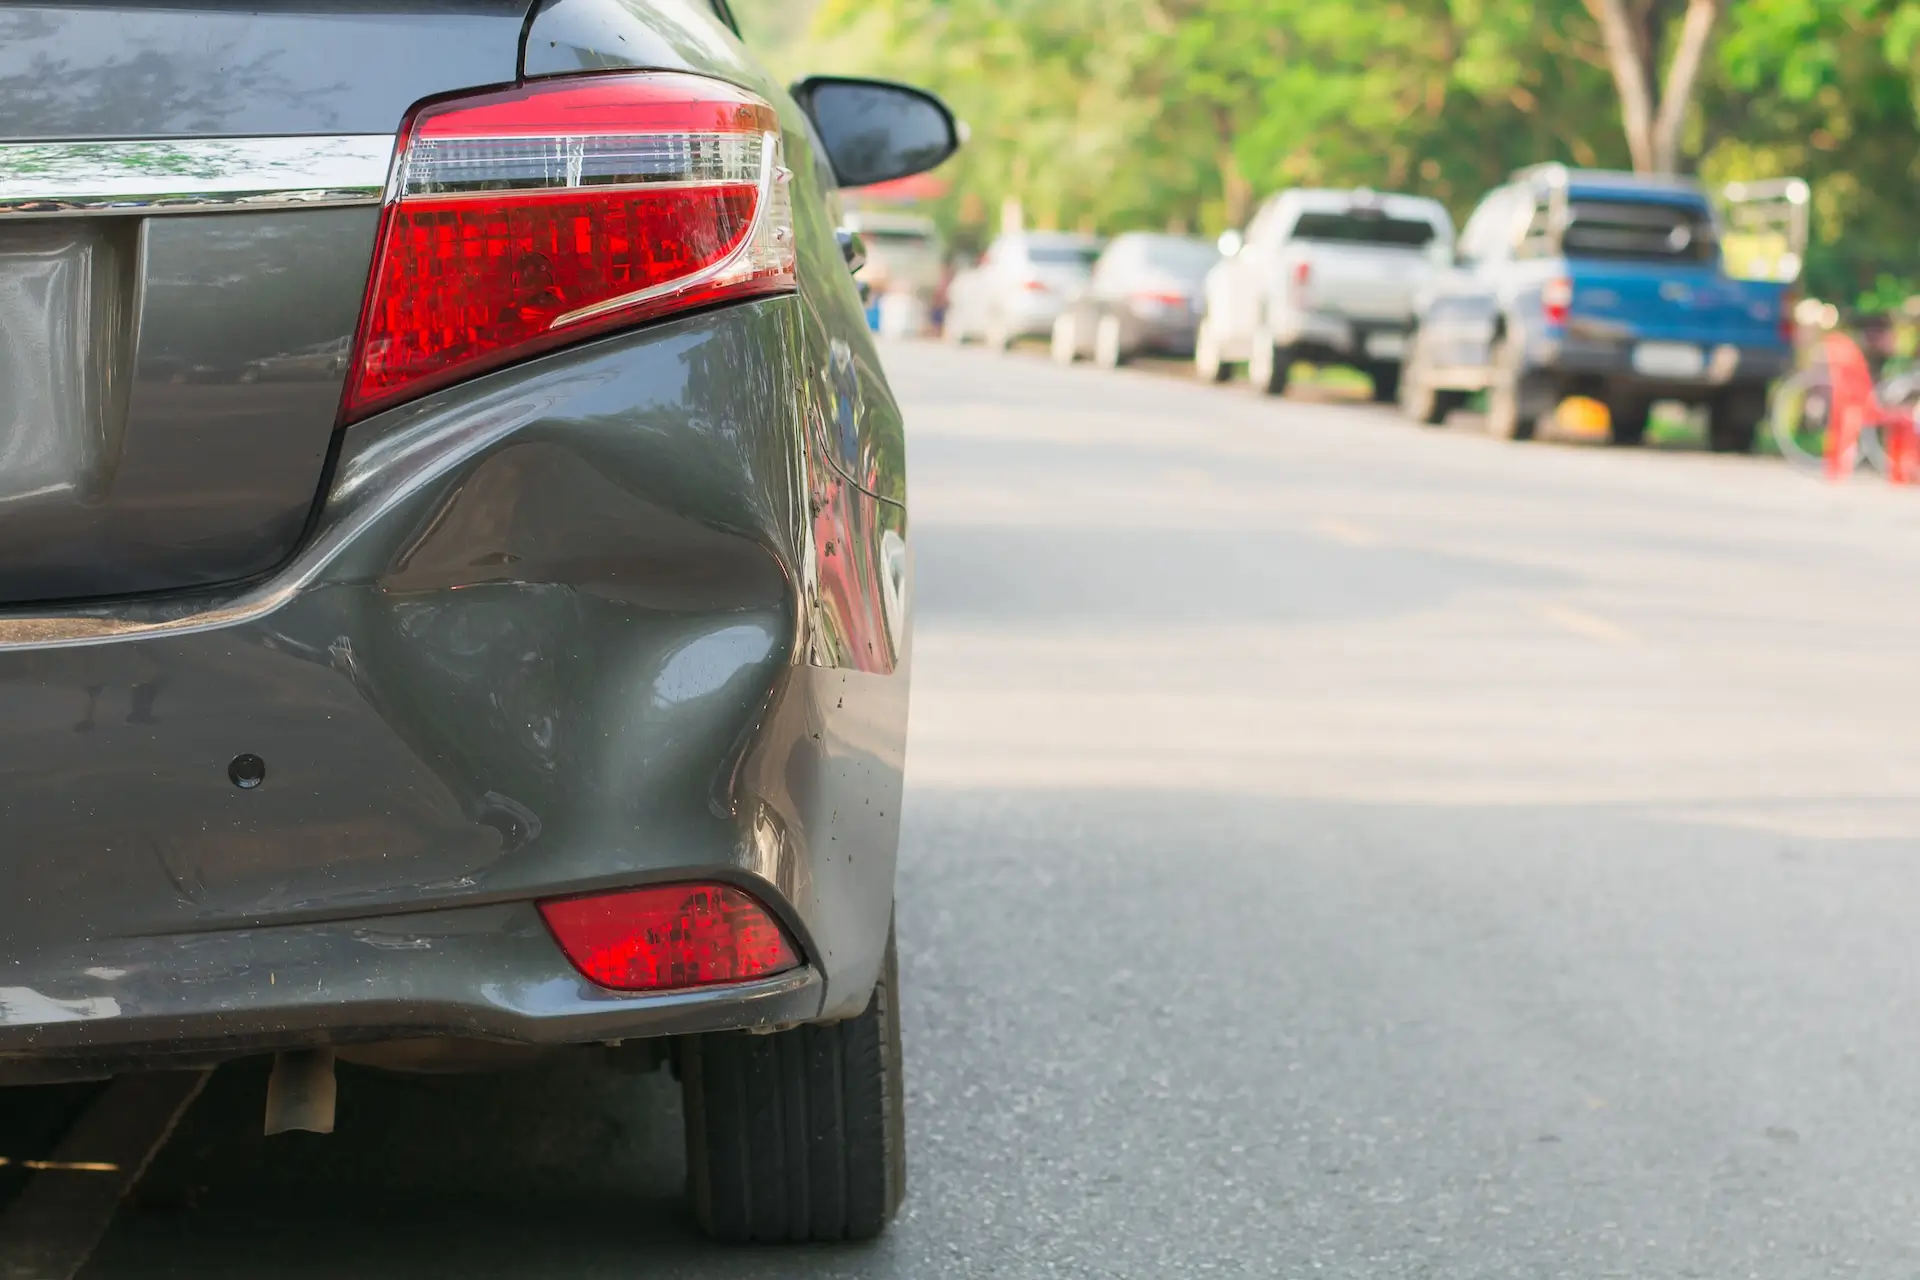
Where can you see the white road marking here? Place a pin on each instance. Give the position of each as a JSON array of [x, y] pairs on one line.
[[1582, 623]]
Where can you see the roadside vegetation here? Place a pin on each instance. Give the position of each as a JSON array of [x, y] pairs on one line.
[[1112, 114]]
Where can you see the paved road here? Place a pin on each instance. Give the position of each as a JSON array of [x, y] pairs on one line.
[[1333, 849]]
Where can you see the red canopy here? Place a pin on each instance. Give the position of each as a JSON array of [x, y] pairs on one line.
[[919, 186]]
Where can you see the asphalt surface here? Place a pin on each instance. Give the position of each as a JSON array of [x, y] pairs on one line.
[[1333, 848]]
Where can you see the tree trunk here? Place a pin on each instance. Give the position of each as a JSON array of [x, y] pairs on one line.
[[1653, 120], [1695, 34]]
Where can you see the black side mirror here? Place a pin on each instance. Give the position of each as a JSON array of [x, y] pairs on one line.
[[876, 131]]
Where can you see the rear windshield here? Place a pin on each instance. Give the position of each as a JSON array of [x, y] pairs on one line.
[[1079, 255], [1183, 258], [1363, 228], [1638, 231]]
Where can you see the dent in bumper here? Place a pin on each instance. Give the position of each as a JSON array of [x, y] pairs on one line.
[[551, 635]]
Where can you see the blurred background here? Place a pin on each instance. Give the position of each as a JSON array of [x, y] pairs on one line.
[[1109, 115]]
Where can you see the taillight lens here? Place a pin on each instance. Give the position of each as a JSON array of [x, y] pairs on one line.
[[522, 220], [1556, 300], [667, 936], [1300, 283], [1789, 326]]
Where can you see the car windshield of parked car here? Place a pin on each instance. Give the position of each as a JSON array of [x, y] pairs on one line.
[[1064, 255], [1636, 230], [1364, 228], [1186, 259]]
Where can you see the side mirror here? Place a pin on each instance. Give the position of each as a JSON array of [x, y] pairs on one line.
[[876, 131], [1230, 243]]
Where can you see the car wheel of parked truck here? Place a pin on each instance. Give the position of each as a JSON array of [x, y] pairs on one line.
[[798, 1136], [1269, 366], [1386, 383], [1108, 350], [1509, 417], [1065, 344], [1734, 418], [1627, 418], [1207, 364]]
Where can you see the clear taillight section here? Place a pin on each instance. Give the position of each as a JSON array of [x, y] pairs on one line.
[[522, 220]]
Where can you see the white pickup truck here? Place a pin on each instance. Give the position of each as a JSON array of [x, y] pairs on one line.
[[1325, 277]]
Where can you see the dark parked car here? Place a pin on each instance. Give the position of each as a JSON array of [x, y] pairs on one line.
[[1576, 282], [529, 680], [1146, 296]]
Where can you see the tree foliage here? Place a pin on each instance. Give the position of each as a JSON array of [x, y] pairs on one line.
[[1110, 114]]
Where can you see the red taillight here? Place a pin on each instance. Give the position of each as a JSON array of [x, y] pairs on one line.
[[1789, 327], [1158, 300], [1300, 282], [1556, 300], [522, 220], [1034, 285], [677, 935]]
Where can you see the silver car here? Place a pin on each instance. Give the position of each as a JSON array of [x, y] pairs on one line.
[[1020, 287]]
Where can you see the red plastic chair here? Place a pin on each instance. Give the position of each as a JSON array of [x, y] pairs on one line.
[[1855, 409]]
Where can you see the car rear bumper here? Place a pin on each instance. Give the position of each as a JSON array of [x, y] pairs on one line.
[[1332, 338], [602, 620], [1610, 360]]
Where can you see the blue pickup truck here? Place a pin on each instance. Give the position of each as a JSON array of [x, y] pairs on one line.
[[1576, 282]]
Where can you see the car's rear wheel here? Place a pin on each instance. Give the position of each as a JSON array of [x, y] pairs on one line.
[[1207, 364], [1269, 366], [1108, 352], [998, 337], [1627, 419], [1066, 343], [1734, 418], [798, 1136], [1386, 383], [1508, 417]]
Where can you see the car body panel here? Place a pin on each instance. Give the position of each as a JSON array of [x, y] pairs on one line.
[[636, 611], [553, 637], [183, 441]]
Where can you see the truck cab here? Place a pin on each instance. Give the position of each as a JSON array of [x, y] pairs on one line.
[[1610, 285], [1325, 277]]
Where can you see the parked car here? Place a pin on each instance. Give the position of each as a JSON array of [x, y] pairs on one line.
[[1019, 287], [1144, 296], [1325, 277], [1609, 285], [904, 262], [532, 682]]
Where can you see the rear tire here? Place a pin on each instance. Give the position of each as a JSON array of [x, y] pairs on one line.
[[1386, 383], [1207, 364], [1507, 416], [1627, 422], [798, 1136], [1065, 345], [1270, 365], [998, 339], [1734, 418], [1108, 352]]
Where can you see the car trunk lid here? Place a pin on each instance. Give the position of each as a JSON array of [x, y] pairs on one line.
[[188, 202]]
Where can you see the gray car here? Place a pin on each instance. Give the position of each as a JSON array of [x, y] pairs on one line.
[[1145, 297], [454, 566]]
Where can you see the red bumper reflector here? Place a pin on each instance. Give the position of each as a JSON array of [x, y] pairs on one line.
[[668, 936]]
